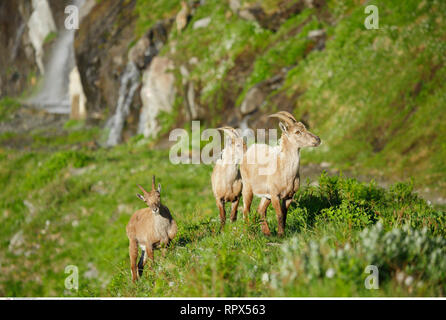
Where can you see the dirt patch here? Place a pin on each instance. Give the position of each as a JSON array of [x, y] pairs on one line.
[[27, 119]]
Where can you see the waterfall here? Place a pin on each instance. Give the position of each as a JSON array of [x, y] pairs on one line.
[[129, 84], [53, 97], [244, 127]]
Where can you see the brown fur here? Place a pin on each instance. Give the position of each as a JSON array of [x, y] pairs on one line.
[[150, 227], [226, 179], [282, 180]]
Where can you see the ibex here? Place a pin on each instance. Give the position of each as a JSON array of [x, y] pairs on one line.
[[226, 179], [149, 228], [272, 173]]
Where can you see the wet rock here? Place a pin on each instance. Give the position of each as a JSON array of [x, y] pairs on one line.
[[40, 25], [17, 54], [314, 34], [247, 14], [104, 36], [256, 96], [191, 104], [130, 83], [253, 100], [150, 44], [137, 53], [202, 23], [78, 100], [92, 272], [319, 37], [16, 243], [157, 94]]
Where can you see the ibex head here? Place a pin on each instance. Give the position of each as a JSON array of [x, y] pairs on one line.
[[295, 131], [237, 145], [152, 198]]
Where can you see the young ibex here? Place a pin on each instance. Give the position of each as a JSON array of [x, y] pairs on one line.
[[149, 228], [226, 179], [274, 174]]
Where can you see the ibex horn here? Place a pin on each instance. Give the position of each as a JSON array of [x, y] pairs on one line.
[[153, 182], [289, 115], [230, 131], [142, 189], [284, 117]]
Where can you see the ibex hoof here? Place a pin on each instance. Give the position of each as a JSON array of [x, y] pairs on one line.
[[265, 230]]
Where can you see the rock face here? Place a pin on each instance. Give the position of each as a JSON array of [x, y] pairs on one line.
[[17, 58], [256, 96], [25, 45], [140, 56], [272, 20], [130, 82], [157, 94], [202, 23], [77, 96], [40, 25], [148, 46], [253, 100], [101, 52]]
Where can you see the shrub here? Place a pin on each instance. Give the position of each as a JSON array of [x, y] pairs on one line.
[[401, 253]]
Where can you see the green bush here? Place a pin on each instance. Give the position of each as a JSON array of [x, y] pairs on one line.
[[411, 257]]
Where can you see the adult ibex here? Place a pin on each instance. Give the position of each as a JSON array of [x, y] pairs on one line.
[[149, 228], [272, 173]]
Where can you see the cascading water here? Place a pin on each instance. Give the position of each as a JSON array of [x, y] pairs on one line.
[[244, 127], [53, 97], [130, 81]]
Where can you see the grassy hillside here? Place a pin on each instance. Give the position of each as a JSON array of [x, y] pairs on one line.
[[375, 97], [69, 205]]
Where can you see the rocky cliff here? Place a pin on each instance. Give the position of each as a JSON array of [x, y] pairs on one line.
[[373, 95]]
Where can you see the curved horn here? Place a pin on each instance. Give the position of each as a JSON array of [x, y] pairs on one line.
[[289, 115], [142, 189], [230, 131], [153, 182], [282, 117]]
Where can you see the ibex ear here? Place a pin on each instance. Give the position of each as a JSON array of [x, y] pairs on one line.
[[283, 128], [159, 187], [140, 197]]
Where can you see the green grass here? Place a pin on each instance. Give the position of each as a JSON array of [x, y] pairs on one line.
[[72, 206], [7, 107], [374, 96]]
